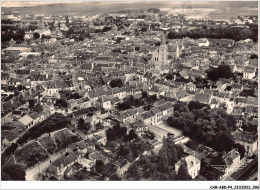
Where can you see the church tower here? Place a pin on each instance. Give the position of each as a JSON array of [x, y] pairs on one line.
[[160, 56]]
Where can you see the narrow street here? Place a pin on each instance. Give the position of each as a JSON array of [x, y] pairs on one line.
[[32, 174]]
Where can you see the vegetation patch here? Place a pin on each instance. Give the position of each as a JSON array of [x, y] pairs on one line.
[[30, 155], [64, 138], [48, 144]]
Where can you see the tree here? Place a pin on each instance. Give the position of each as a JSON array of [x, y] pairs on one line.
[[196, 105], [222, 142], [81, 123], [183, 174], [144, 28], [240, 149], [198, 114], [179, 150], [99, 165], [19, 35], [245, 33], [169, 76], [132, 135], [253, 56], [106, 28], [223, 71], [144, 94], [110, 134], [81, 38], [116, 83], [115, 177], [61, 103], [167, 155], [133, 171], [181, 107], [36, 35], [13, 172]]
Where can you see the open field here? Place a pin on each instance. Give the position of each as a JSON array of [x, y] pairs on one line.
[[93, 8]]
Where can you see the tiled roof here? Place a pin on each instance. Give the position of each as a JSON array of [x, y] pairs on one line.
[[249, 70], [11, 136], [25, 120], [231, 156], [244, 137]]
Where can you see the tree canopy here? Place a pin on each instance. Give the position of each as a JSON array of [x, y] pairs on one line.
[[253, 56], [197, 105], [183, 174], [116, 83], [159, 166], [13, 172], [229, 32], [211, 127], [36, 35], [223, 71]]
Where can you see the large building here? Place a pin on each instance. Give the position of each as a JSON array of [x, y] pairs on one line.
[[163, 56], [160, 56]]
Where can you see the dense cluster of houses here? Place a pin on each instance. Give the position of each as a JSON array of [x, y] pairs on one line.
[[38, 74]]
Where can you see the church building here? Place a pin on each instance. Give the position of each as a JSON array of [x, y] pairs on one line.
[[162, 55]]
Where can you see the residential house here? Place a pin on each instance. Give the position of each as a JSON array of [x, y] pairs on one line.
[[26, 121], [148, 118], [131, 114], [9, 139], [232, 161], [139, 127], [193, 165], [87, 67], [94, 156], [190, 86], [157, 114], [248, 140], [58, 167], [86, 113], [203, 42], [122, 167], [249, 73]]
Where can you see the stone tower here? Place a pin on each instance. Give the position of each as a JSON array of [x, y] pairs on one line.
[[160, 56]]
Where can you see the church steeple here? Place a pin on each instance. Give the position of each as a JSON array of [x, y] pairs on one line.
[[160, 56], [163, 39]]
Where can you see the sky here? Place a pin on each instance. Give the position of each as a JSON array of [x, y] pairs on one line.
[[38, 3]]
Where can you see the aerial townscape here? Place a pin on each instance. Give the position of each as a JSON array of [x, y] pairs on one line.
[[146, 92]]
